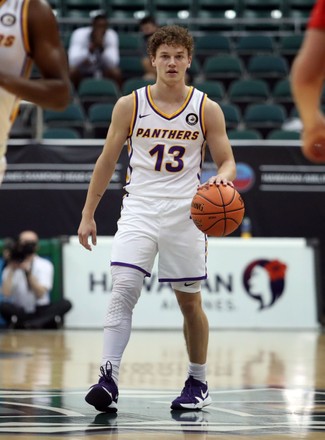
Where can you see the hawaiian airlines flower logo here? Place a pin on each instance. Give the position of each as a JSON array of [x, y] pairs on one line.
[[264, 281]]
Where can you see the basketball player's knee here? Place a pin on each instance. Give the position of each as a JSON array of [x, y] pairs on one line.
[[127, 285], [189, 308], [190, 304]]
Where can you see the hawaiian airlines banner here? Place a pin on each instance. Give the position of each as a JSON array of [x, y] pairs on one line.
[[252, 283]]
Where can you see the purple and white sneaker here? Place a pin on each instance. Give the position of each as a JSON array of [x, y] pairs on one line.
[[194, 395], [103, 395]]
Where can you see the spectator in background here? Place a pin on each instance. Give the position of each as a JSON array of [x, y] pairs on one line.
[[27, 280], [94, 51], [148, 27], [307, 80]]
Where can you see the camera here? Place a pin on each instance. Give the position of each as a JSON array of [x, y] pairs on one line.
[[18, 252]]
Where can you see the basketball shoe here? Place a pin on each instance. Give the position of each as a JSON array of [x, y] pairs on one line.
[[194, 395], [103, 395]]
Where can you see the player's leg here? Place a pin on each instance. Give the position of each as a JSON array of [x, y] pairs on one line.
[[127, 285], [182, 261], [195, 394], [196, 326], [133, 253]]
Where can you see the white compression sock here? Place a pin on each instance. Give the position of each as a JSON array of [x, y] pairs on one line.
[[197, 371]]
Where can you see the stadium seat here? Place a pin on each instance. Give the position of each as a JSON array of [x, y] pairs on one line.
[[210, 45], [129, 44], [232, 115], [92, 90], [249, 45], [99, 116], [268, 67], [246, 91], [264, 117], [135, 83], [131, 66], [195, 68], [72, 117], [283, 135], [289, 46], [214, 89], [244, 134], [223, 67], [61, 133], [282, 94]]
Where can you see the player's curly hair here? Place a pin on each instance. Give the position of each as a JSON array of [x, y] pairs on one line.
[[172, 36]]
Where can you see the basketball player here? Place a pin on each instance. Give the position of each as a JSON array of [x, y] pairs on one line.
[[166, 126], [307, 79], [29, 33]]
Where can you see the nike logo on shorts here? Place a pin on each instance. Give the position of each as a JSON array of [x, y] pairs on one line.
[[189, 284], [143, 116]]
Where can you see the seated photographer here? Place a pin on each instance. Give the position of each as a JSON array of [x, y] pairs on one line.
[[27, 280]]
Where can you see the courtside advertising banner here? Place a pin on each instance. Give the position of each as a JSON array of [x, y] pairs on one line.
[[252, 283]]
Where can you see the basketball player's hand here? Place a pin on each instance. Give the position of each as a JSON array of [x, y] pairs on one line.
[[216, 180], [87, 229], [313, 140]]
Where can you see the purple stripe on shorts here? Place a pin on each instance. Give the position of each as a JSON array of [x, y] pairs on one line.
[[133, 266], [165, 280]]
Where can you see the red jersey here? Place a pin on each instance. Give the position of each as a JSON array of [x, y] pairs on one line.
[[317, 16]]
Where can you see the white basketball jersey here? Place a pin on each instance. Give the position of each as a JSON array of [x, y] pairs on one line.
[[14, 50], [166, 151]]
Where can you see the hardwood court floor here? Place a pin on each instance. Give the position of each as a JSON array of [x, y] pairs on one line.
[[266, 385]]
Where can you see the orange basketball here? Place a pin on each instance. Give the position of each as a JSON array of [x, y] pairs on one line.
[[217, 210]]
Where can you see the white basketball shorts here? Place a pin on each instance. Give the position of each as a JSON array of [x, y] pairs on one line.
[[150, 226]]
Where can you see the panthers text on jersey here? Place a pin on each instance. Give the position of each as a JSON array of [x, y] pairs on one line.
[[166, 152]]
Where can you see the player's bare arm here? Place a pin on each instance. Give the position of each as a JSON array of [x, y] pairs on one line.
[[53, 90], [116, 136], [307, 78], [219, 145]]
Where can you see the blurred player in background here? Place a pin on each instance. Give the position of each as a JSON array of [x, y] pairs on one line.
[[148, 27], [29, 33], [307, 79], [166, 126]]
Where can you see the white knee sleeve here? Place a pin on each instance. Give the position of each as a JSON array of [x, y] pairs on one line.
[[188, 286], [127, 285]]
